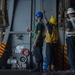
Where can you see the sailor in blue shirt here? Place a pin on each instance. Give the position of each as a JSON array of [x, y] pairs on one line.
[[70, 40]]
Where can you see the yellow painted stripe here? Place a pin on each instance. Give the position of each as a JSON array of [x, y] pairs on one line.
[[0, 54], [66, 62], [65, 47], [65, 52], [1, 51], [1, 48], [66, 57], [4, 44]]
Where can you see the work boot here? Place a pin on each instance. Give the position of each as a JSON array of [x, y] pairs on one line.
[[49, 68], [41, 67], [37, 68], [55, 69]]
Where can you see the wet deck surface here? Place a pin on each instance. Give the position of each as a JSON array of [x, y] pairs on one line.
[[24, 72]]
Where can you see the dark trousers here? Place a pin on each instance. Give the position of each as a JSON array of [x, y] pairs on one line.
[[71, 50], [51, 53], [38, 53], [38, 57]]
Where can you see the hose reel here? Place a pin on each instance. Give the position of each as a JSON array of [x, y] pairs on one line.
[[25, 52]]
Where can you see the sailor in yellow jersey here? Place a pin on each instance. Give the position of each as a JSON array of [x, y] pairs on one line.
[[51, 41]]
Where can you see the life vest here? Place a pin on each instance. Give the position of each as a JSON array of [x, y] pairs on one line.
[[71, 33], [52, 38]]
